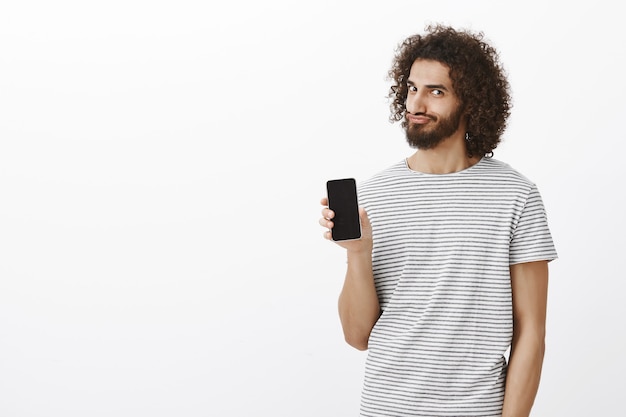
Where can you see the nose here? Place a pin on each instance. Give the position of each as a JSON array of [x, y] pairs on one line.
[[415, 103]]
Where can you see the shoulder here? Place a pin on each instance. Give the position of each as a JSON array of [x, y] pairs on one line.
[[500, 171], [386, 175]]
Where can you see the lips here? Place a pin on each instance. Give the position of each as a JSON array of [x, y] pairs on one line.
[[419, 119]]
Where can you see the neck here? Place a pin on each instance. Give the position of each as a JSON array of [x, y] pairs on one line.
[[447, 157]]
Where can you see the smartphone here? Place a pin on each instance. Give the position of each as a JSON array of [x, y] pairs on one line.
[[342, 199]]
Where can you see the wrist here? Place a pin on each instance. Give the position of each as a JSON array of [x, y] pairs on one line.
[[359, 255]]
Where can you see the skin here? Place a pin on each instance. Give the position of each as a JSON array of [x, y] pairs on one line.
[[430, 99], [358, 302], [529, 286]]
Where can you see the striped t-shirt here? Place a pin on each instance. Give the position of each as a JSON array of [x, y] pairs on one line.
[[443, 245]]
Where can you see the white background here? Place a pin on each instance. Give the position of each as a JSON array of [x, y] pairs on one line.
[[161, 165]]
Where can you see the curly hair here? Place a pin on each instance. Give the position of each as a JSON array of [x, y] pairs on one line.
[[477, 76]]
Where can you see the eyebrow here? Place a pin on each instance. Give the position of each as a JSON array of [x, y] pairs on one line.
[[431, 86]]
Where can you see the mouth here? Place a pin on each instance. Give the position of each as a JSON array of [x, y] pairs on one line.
[[420, 119]]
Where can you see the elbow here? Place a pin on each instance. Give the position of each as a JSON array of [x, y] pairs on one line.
[[358, 344], [541, 341], [357, 341], [532, 338]]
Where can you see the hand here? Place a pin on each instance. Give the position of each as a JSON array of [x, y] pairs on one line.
[[360, 245]]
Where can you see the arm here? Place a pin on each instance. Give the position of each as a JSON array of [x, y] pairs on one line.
[[358, 302], [529, 285]]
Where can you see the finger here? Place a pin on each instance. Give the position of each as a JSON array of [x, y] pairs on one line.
[[326, 223], [362, 214], [328, 235], [327, 213], [324, 201], [365, 221]]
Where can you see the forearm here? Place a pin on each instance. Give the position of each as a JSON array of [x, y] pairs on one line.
[[358, 302], [523, 375]]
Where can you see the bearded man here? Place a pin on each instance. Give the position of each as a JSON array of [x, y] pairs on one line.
[[447, 287]]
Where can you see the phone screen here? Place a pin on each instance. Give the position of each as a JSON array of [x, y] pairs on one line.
[[342, 199]]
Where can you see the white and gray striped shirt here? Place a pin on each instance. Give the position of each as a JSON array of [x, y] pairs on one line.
[[443, 245]]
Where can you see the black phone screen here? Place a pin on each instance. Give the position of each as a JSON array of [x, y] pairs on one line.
[[342, 199]]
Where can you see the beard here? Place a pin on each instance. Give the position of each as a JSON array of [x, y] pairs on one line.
[[428, 136]]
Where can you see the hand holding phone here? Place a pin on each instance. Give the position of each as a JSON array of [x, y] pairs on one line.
[[343, 201]]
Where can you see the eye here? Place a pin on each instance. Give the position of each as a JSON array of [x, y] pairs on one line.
[[437, 92], [412, 88]]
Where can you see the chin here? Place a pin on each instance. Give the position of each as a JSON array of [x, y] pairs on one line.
[[423, 140]]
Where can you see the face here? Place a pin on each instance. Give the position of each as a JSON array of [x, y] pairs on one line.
[[433, 111]]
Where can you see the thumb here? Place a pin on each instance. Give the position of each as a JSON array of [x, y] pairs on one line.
[[365, 221]]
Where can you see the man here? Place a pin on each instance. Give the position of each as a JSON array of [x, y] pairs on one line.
[[452, 267]]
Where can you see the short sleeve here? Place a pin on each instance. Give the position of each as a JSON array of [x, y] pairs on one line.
[[531, 239]]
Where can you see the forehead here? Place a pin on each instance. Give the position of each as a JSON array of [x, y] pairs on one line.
[[425, 71]]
